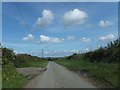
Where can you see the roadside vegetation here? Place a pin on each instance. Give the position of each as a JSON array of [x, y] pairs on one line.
[[10, 61], [102, 63], [0, 68], [11, 78], [41, 64], [0, 78]]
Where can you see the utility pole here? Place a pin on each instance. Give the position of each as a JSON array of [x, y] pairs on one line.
[[42, 53]]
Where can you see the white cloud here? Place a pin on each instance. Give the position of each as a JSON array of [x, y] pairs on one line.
[[46, 19], [109, 37], [15, 52], [48, 39], [87, 49], [105, 23], [20, 52], [85, 39], [29, 37], [74, 17], [70, 37]]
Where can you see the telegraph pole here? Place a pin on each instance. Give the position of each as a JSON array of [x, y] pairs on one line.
[[42, 53]]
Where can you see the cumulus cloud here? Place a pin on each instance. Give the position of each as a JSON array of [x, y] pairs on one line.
[[109, 37], [87, 49], [29, 37], [15, 52], [44, 38], [70, 37], [85, 39], [46, 19], [74, 17], [105, 23]]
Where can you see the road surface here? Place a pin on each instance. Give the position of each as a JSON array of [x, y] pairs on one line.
[[57, 76]]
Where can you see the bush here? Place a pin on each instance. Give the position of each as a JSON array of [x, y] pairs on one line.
[[11, 78], [22, 60], [7, 55], [109, 54]]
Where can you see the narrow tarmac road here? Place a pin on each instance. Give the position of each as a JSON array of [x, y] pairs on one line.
[[57, 76]]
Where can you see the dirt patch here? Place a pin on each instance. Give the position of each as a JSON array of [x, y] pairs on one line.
[[30, 72], [85, 73]]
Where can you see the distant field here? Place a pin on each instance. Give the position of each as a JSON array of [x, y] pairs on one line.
[[102, 71], [40, 64]]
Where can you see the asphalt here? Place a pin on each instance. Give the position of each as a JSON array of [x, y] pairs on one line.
[[57, 76]]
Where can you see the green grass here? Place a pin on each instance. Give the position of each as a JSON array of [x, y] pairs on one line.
[[40, 64], [102, 71], [17, 82], [11, 78]]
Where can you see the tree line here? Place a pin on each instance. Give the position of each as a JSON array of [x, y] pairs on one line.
[[110, 53], [18, 60]]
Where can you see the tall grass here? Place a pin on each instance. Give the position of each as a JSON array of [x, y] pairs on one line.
[[103, 71], [11, 78]]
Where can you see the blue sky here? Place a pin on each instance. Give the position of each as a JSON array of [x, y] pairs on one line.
[[59, 28], [60, 1]]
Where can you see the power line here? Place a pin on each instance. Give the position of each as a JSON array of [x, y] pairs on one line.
[[42, 53], [19, 11]]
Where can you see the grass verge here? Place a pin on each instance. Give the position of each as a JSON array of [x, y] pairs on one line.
[[17, 82], [11, 78], [102, 71]]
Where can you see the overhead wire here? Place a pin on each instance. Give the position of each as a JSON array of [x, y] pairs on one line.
[[22, 16], [26, 24]]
